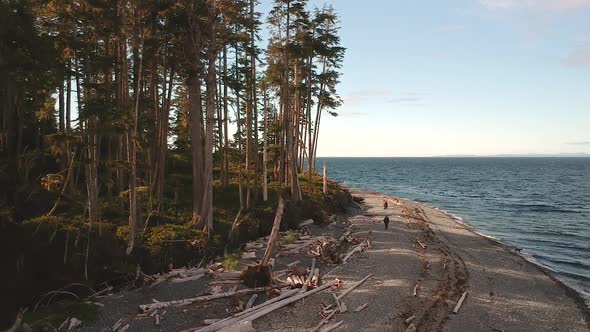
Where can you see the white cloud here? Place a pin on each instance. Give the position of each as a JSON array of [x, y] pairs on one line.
[[546, 5]]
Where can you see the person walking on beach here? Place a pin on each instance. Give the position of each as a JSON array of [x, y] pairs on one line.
[[386, 222], [385, 204]]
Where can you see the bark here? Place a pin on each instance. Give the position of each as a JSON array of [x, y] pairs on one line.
[[207, 205], [225, 178]]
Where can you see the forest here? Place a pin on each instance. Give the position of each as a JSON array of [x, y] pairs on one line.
[[144, 134]]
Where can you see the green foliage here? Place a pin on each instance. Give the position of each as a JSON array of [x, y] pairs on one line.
[[230, 262], [164, 235], [289, 237]]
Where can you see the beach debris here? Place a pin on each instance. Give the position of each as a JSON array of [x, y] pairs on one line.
[[124, 328], [117, 325], [421, 244], [292, 263], [361, 307], [187, 301], [354, 286], [265, 308], [359, 248], [415, 290], [460, 303], [157, 320], [261, 274], [249, 255], [411, 328], [251, 301], [325, 320], [409, 319], [305, 223], [332, 327], [337, 302]]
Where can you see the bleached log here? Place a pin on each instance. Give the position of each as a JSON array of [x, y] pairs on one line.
[[209, 321], [155, 312], [274, 232], [315, 280], [354, 286], [361, 307], [409, 319], [415, 290], [191, 278], [411, 328], [337, 302], [421, 244], [264, 310], [305, 223], [309, 277], [251, 301], [157, 320], [284, 295], [249, 255], [355, 249], [74, 323], [333, 327], [159, 305], [117, 324], [460, 303], [124, 328], [292, 263]]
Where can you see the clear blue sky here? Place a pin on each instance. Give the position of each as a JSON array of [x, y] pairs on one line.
[[425, 78]]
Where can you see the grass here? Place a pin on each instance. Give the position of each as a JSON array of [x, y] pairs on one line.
[[230, 262], [289, 237]]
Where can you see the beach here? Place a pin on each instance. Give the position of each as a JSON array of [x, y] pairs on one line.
[[410, 275], [504, 292]]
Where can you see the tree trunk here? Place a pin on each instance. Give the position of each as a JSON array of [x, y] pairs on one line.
[[225, 179]]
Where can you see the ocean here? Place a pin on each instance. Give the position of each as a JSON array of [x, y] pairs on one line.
[[541, 205]]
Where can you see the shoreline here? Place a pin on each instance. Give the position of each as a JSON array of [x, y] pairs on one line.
[[578, 294]]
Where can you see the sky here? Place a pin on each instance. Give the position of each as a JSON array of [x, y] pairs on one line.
[[461, 77]]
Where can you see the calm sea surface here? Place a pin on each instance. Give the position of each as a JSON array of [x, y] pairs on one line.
[[539, 204]]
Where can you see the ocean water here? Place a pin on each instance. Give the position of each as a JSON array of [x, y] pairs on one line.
[[541, 205]]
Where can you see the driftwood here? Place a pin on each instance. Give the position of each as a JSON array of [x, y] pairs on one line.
[[415, 290], [243, 326], [124, 328], [325, 320], [421, 244], [411, 328], [284, 295], [249, 255], [209, 321], [251, 301], [410, 319], [460, 303], [192, 278], [261, 311], [274, 232], [361, 307], [354, 286], [117, 324], [358, 248], [159, 305]]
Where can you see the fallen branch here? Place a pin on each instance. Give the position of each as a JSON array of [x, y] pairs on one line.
[[460, 303], [410, 319], [264, 311], [361, 307], [159, 305], [421, 244], [251, 301], [415, 290], [354, 286], [325, 320], [274, 232]]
